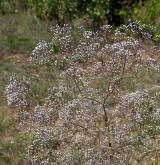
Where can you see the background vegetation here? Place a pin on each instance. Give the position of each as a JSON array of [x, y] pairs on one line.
[[24, 22], [115, 12]]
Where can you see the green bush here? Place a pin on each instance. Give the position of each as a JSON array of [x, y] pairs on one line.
[[115, 12], [49, 9], [97, 11], [148, 12]]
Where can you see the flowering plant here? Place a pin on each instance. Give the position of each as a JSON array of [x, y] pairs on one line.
[[90, 115]]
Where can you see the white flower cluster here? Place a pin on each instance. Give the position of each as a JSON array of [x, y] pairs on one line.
[[62, 36], [132, 98], [87, 47], [153, 64], [84, 51], [41, 115], [41, 53], [16, 92]]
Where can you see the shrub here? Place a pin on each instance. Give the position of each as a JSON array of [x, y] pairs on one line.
[[87, 116], [95, 11]]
